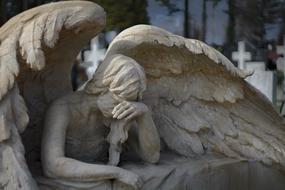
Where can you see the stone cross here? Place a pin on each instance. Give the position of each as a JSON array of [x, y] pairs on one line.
[[241, 55], [93, 57]]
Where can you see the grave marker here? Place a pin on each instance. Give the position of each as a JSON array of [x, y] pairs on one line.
[[241, 55]]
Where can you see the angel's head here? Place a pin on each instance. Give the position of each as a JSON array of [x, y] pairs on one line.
[[118, 78]]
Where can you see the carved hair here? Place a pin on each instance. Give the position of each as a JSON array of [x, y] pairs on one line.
[[120, 75]]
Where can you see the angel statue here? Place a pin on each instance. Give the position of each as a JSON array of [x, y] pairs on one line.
[[160, 112]]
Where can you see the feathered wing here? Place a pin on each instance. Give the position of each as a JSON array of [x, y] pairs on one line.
[[200, 100], [37, 51]]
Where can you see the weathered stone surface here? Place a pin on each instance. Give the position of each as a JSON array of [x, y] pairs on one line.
[[204, 173], [33, 37], [155, 95]]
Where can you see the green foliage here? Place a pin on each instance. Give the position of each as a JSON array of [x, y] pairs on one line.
[[123, 14]]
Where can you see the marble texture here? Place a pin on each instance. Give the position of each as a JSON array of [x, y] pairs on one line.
[[160, 112], [203, 173]]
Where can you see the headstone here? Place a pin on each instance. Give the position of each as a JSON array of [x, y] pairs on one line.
[[241, 55], [261, 79], [265, 82], [280, 64], [255, 66]]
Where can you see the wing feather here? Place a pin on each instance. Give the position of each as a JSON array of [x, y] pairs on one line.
[[19, 110], [178, 139], [9, 67], [30, 44], [179, 120], [54, 25]]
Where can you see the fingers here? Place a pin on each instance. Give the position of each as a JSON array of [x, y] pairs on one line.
[[125, 113], [131, 116], [139, 183], [128, 110], [120, 108], [131, 179], [122, 104], [117, 107]]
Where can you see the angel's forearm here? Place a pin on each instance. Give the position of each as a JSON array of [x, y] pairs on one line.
[[70, 169], [148, 138]]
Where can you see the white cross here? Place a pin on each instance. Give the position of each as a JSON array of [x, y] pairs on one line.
[[241, 55], [93, 57]]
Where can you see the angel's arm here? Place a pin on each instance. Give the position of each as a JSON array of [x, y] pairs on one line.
[[56, 165], [147, 142], [144, 137]]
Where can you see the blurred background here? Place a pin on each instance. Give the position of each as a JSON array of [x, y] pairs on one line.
[[249, 32]]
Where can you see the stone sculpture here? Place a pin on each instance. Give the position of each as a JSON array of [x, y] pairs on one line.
[[76, 123], [163, 107]]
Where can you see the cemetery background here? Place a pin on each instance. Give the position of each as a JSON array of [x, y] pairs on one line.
[[248, 32]]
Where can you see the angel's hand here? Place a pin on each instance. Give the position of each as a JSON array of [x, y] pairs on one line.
[[130, 179], [129, 110]]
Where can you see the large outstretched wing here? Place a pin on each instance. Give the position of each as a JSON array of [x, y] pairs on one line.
[[200, 100], [37, 51]]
